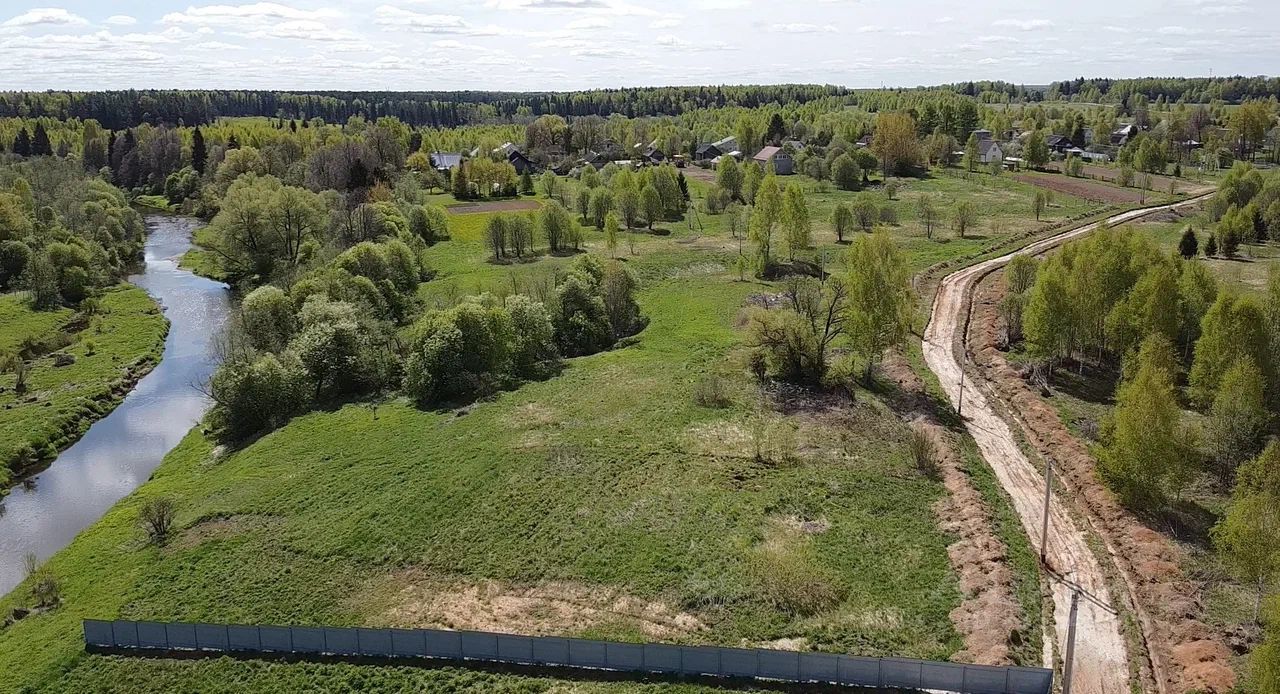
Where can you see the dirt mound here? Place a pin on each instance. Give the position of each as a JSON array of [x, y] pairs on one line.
[[1185, 654], [414, 599]]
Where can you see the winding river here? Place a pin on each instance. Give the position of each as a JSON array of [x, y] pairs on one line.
[[119, 452]]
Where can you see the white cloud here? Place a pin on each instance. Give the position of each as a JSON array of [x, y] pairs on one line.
[[1024, 24], [802, 28], [121, 20], [52, 16], [232, 14], [397, 18], [870, 29], [590, 23], [665, 23], [1175, 31], [696, 46], [944, 20]]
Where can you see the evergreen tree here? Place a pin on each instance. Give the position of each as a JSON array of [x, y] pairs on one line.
[[199, 152], [1211, 246], [22, 144], [40, 145], [1188, 245]]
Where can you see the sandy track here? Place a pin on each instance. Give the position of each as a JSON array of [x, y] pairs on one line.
[[1101, 661]]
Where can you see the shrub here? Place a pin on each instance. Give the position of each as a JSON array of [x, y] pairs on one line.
[[618, 288], [267, 318], [259, 395], [711, 391], [461, 351], [792, 579], [156, 517], [923, 451], [46, 589], [533, 347]]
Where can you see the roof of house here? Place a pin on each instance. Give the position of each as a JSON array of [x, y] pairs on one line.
[[767, 153], [446, 160], [506, 149], [1058, 141], [706, 149], [793, 144], [730, 142], [983, 134], [985, 147]]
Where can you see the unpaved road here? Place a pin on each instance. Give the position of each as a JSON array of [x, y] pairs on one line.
[[1101, 661]]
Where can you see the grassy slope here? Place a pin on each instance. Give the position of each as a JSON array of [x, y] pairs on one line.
[[126, 340], [202, 261], [608, 475]]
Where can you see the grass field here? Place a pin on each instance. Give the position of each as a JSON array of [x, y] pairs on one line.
[[108, 352], [604, 502]]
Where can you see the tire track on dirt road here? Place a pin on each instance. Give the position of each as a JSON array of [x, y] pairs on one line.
[[1101, 658]]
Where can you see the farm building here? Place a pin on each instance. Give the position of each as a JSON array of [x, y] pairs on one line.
[[782, 163]]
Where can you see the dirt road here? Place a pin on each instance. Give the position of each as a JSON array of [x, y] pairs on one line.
[[1101, 661]]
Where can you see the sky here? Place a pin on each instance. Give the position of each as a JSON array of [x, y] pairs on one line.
[[580, 44]]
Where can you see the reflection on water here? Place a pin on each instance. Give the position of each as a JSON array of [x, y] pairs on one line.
[[119, 452]]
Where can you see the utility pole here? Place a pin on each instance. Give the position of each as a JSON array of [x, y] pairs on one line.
[[1071, 642], [960, 407], [1048, 494]]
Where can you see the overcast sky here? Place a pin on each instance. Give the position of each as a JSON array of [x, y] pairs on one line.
[[576, 44]]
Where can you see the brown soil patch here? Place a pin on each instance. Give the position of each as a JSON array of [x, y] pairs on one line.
[[1159, 183], [988, 615], [221, 529], [1085, 188], [1186, 654], [416, 600], [494, 206], [699, 173]]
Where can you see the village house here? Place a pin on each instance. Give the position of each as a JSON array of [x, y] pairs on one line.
[[444, 162], [1059, 144], [782, 163], [989, 151], [1123, 134]]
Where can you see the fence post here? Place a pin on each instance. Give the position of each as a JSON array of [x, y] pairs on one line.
[[879, 672], [168, 645], [964, 678], [1006, 682]]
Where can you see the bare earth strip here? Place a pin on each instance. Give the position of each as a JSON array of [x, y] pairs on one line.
[[494, 206], [1101, 661]]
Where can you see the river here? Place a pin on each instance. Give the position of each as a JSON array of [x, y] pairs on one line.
[[42, 514]]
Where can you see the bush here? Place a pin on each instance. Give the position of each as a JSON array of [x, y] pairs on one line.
[[267, 318], [711, 391], [923, 451], [792, 579], [259, 395], [787, 346], [156, 517], [46, 589], [618, 288], [465, 350]]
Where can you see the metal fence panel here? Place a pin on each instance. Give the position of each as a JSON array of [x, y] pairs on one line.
[[701, 661], [624, 656], [587, 653], [276, 639], [212, 637], [442, 644], [551, 651], [900, 673], [660, 658], [478, 645], [339, 641], [738, 662], [1030, 680], [125, 634], [375, 642], [779, 665], [983, 680], [182, 636], [515, 649], [152, 635], [307, 639], [941, 675], [98, 633], [408, 643], [858, 671], [246, 639], [819, 667]]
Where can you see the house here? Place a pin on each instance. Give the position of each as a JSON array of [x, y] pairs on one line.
[[863, 142], [989, 151], [1121, 135], [793, 145], [706, 152], [982, 134], [653, 156], [1059, 144], [522, 163], [727, 145], [506, 149], [781, 161], [446, 161]]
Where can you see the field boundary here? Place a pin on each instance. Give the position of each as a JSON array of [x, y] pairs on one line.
[[133, 637]]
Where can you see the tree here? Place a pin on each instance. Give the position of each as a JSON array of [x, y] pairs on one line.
[[865, 211], [754, 176], [764, 217], [601, 203], [846, 173], [496, 235], [617, 288], [1144, 450], [1248, 536], [964, 216], [1211, 246], [555, 225], [156, 517], [267, 318], [611, 233], [460, 182], [1036, 150], [971, 156], [880, 302], [1049, 317], [729, 177], [199, 151], [795, 220], [1237, 418], [842, 220], [895, 143], [651, 204], [22, 143], [1039, 202], [526, 183], [1188, 245], [40, 145], [1020, 273], [1234, 327]]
